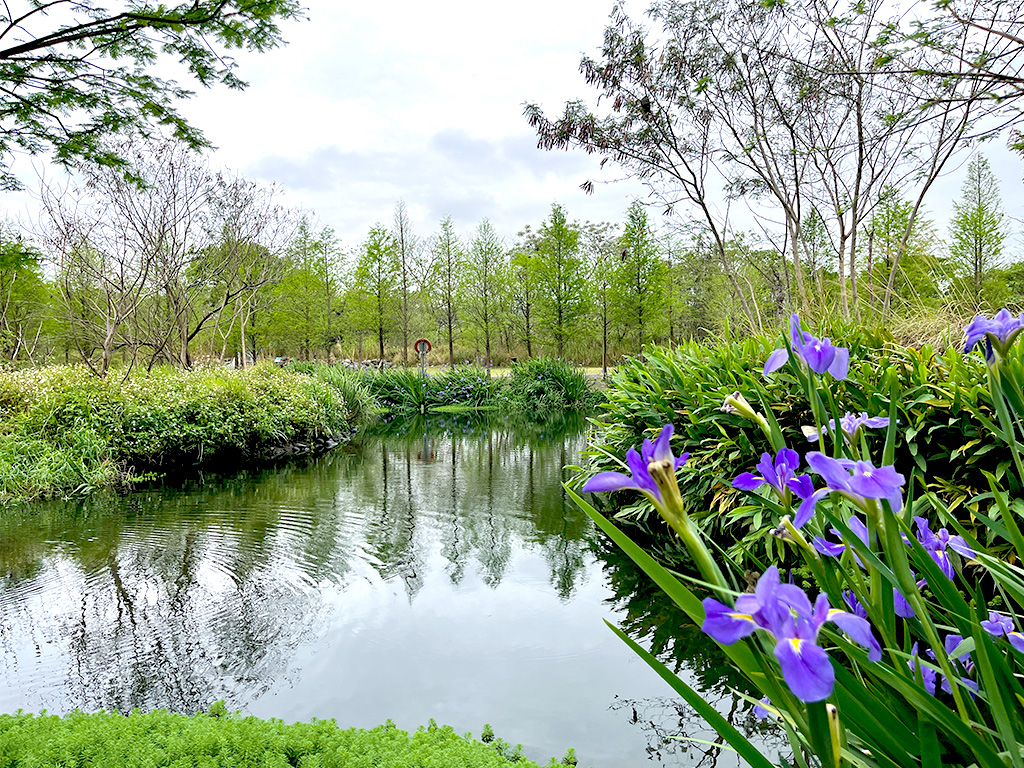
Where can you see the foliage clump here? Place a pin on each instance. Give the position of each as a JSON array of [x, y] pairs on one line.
[[219, 739], [941, 406], [540, 386], [546, 385]]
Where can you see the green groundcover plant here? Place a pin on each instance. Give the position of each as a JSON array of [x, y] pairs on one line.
[[219, 740], [901, 646]]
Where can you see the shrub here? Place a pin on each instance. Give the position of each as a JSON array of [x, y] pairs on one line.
[[65, 431], [464, 385], [545, 385]]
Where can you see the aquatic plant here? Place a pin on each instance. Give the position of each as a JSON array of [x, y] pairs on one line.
[[933, 673], [547, 385]]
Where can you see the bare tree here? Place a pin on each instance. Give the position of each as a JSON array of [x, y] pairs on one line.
[[101, 278], [406, 244]]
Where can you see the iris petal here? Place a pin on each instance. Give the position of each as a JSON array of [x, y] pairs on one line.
[[806, 669], [776, 360], [604, 482]]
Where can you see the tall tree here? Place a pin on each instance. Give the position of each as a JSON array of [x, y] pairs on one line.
[[23, 297], [376, 278], [978, 230], [561, 279], [883, 241], [74, 72], [523, 289], [406, 247], [639, 281], [600, 247], [449, 262], [484, 281]]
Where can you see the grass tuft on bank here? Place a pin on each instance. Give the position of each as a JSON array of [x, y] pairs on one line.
[[218, 739], [64, 431]]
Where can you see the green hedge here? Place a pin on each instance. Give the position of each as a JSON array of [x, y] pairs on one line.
[[941, 402], [149, 740]]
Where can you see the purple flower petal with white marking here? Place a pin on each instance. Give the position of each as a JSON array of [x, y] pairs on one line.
[[857, 478], [819, 354], [780, 474], [850, 424], [997, 624]]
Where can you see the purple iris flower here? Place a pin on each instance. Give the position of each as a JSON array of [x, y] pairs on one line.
[[639, 478], [859, 529], [819, 354], [760, 711], [950, 643], [857, 479], [938, 542], [998, 333], [900, 606], [998, 624], [928, 675], [854, 604], [785, 612], [780, 475], [849, 424]]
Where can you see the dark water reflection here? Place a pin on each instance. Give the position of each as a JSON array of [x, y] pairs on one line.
[[435, 570]]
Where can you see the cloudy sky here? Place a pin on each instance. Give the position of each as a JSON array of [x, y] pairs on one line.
[[374, 102]]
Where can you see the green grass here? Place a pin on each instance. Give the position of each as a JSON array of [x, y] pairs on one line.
[[219, 740]]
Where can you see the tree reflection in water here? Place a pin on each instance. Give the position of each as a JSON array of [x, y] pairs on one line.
[[177, 597]]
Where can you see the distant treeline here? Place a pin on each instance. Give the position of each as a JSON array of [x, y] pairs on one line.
[[196, 264]]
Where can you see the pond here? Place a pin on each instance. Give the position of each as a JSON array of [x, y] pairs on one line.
[[433, 570]]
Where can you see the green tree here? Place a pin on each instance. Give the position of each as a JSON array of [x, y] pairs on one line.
[[484, 282], [449, 263], [522, 294], [302, 316], [23, 297], [73, 77], [600, 246], [977, 233], [563, 299], [377, 303], [639, 281]]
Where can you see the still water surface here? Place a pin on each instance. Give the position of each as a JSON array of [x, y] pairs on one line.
[[434, 570]]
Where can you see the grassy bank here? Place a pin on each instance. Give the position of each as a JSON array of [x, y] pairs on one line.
[[161, 738], [63, 431]]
